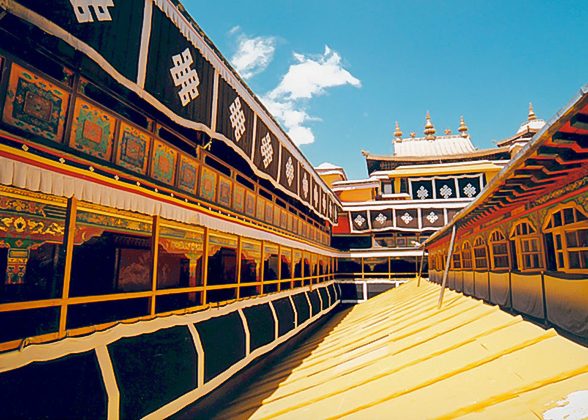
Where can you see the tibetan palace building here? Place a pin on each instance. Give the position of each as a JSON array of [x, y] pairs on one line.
[[167, 251]]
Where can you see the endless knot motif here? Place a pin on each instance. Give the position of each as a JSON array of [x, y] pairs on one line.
[[289, 171], [359, 220], [445, 191], [305, 186], [469, 190], [316, 197], [406, 218], [267, 151], [422, 193], [432, 217], [381, 219], [237, 119], [184, 76], [82, 10]]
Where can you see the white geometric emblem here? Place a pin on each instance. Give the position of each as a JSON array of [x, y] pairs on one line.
[[305, 186], [406, 218], [422, 193], [469, 190], [237, 119], [184, 76], [432, 217], [316, 197], [381, 219], [289, 171], [446, 191], [267, 151], [359, 221], [82, 10], [324, 204]]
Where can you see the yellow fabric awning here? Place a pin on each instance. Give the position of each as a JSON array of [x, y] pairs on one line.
[[430, 170], [397, 357]]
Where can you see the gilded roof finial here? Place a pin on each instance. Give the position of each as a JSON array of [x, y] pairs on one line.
[[429, 128], [447, 131], [412, 134], [463, 129], [397, 132], [532, 115]]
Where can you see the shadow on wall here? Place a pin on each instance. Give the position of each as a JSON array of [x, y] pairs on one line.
[[262, 379]]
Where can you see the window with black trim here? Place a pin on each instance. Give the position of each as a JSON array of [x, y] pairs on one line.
[[466, 255], [456, 257], [480, 254], [499, 255], [529, 247], [569, 229]]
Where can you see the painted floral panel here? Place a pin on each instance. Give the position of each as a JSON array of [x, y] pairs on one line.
[[163, 167], [92, 130], [188, 174], [276, 215], [35, 105], [250, 204], [207, 184], [268, 212], [133, 149], [225, 187], [260, 208], [238, 198]]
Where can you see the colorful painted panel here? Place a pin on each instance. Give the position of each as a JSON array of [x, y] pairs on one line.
[[260, 208], [239, 198], [133, 149], [188, 174], [16, 266], [35, 105], [163, 166], [284, 219], [92, 130], [249, 203], [269, 212], [290, 218], [207, 184], [276, 216], [225, 186]]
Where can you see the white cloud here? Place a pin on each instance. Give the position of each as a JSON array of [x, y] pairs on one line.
[[253, 54], [306, 78]]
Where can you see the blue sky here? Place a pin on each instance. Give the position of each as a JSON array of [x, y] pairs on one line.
[[337, 75]]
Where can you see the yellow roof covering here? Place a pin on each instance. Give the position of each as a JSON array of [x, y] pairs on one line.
[[397, 356], [440, 170]]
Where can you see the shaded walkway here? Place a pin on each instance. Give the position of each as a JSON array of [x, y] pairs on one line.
[[397, 356]]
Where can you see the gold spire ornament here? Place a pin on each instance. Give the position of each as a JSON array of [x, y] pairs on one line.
[[447, 131], [397, 132], [532, 115], [429, 128], [463, 129], [412, 134]]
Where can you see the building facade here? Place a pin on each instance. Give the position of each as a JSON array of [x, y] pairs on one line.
[[521, 243]]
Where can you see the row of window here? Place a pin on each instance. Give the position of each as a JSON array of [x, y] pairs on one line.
[[437, 188], [129, 266], [562, 246]]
